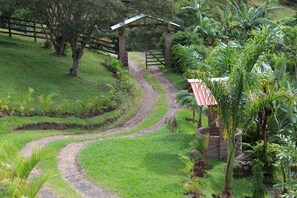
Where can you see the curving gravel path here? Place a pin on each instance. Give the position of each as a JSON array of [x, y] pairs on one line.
[[67, 164]]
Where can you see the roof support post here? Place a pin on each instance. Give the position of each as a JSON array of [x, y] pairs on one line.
[[122, 46], [167, 45]]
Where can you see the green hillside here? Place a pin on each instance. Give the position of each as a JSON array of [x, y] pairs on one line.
[[26, 64]]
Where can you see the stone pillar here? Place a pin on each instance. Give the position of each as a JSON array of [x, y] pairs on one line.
[[122, 46], [167, 45]]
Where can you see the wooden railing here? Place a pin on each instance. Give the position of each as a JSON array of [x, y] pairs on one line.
[[37, 30], [155, 58], [21, 27], [103, 46]]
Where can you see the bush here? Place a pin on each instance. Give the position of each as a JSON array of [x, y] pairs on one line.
[[26, 106], [268, 159], [113, 65], [258, 188], [5, 108], [123, 87], [46, 102], [183, 38], [182, 58]]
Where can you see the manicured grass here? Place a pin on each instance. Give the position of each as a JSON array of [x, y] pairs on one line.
[[150, 166], [175, 78], [26, 64], [142, 167], [214, 182], [187, 126]]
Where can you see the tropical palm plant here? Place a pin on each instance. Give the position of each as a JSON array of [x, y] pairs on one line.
[[246, 18], [208, 29], [15, 171], [288, 165], [185, 57], [231, 96], [198, 7], [187, 99]]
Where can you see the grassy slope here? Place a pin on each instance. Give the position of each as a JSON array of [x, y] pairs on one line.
[[92, 81], [285, 12], [282, 13], [26, 64], [149, 166]]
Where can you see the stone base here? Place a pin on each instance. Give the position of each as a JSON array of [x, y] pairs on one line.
[[217, 148]]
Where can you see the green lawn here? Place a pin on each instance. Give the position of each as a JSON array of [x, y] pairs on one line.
[[279, 14], [175, 78], [26, 64], [214, 182], [150, 166], [142, 167]]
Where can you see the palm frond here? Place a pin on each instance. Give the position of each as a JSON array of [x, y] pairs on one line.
[[32, 188]]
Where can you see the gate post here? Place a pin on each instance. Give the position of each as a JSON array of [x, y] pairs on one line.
[[122, 46], [167, 45]]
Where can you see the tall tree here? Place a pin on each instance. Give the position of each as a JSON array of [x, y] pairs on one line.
[[8, 7], [160, 8], [74, 21]]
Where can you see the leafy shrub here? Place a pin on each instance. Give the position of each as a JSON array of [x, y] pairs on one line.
[[172, 124], [4, 106], [62, 108], [287, 163], [46, 102], [258, 188], [183, 38], [113, 65], [184, 58], [268, 159], [192, 184], [86, 106], [26, 106], [15, 171]]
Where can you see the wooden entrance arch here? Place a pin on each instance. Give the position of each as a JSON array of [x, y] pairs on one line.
[[143, 20]]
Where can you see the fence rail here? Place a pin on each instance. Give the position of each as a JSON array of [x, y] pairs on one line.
[[155, 58], [22, 27], [37, 30]]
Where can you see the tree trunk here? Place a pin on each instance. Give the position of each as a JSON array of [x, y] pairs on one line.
[[5, 16], [60, 46], [295, 71], [76, 55], [200, 118], [227, 193]]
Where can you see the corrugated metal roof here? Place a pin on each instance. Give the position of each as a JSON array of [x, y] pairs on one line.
[[202, 94], [138, 17]]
